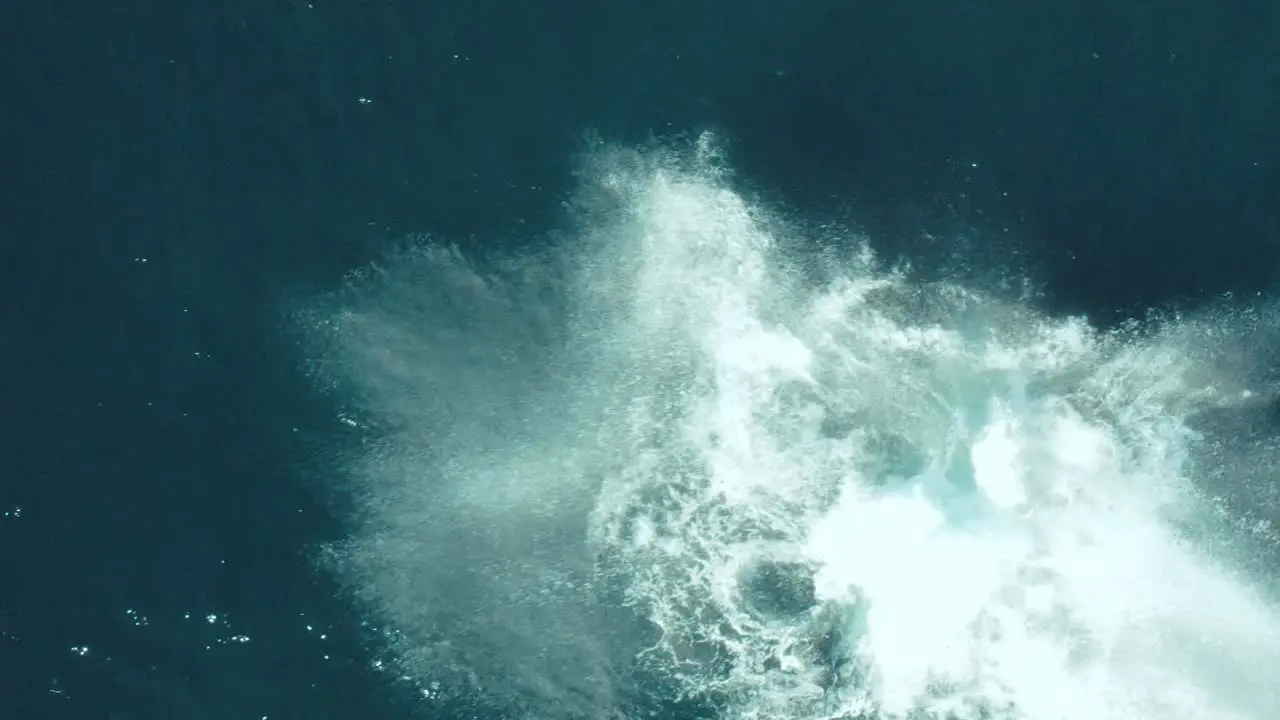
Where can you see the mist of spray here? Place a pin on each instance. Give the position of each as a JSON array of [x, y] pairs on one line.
[[681, 446]]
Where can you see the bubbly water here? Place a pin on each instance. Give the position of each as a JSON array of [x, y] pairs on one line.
[[683, 451]]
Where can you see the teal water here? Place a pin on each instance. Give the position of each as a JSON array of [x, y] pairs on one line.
[[182, 184]]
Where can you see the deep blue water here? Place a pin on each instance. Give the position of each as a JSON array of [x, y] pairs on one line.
[[171, 175]]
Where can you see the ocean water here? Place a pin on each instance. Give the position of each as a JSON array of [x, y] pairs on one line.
[[444, 360], [686, 452]]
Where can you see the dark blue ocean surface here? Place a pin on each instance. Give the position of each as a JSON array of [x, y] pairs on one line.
[[176, 178]]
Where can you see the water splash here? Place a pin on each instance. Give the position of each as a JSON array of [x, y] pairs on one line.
[[677, 449]]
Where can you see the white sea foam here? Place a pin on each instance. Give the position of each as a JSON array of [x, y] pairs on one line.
[[676, 448]]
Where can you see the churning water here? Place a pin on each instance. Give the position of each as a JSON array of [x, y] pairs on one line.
[[682, 451]]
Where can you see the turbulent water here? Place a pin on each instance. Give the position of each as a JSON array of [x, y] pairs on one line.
[[683, 452]]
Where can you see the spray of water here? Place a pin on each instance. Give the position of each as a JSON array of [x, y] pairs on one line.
[[678, 448]]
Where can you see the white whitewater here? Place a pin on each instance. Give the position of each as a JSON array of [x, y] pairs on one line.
[[684, 446]]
